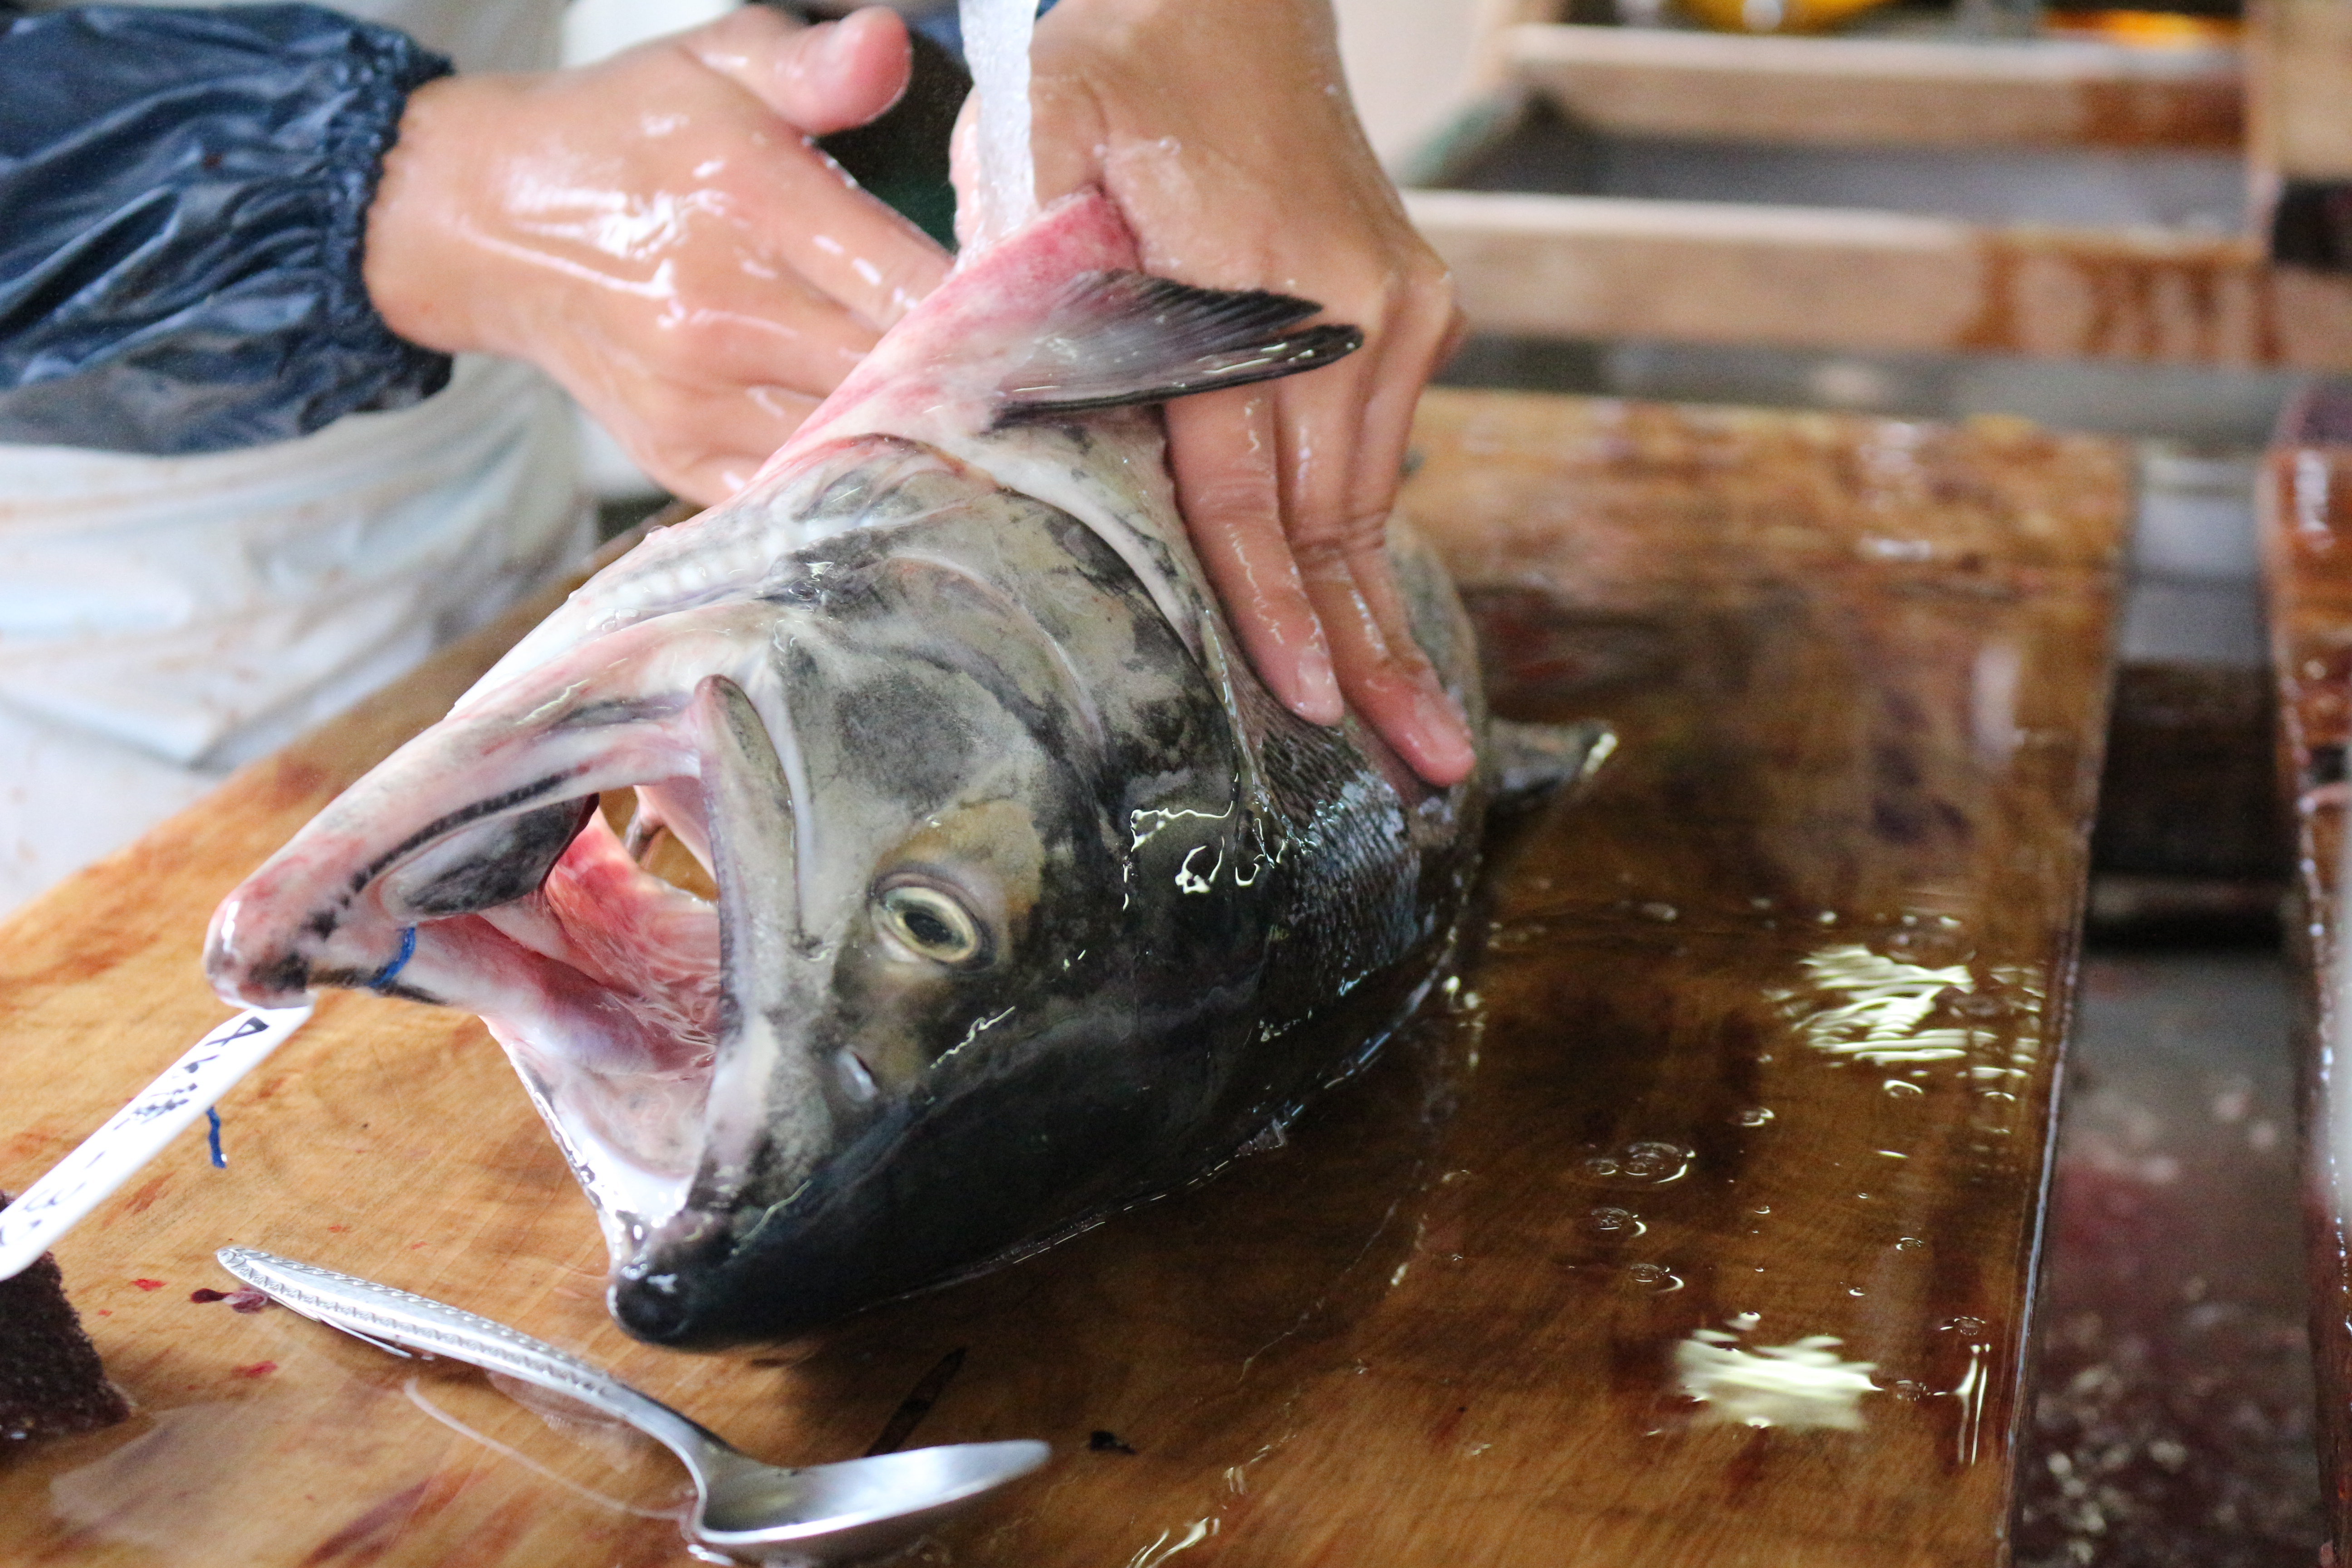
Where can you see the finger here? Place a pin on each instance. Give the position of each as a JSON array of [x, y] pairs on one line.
[[963, 169], [1221, 449], [850, 245], [808, 210], [1340, 540], [822, 79], [1397, 696], [1409, 353]]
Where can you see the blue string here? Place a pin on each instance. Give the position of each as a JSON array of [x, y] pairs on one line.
[[220, 1160], [385, 976]]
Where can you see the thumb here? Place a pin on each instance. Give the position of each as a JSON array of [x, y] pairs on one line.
[[822, 79]]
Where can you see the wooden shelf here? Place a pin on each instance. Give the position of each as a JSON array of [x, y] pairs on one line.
[[1600, 266], [1883, 91]]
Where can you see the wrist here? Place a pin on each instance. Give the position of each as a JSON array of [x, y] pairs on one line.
[[414, 258]]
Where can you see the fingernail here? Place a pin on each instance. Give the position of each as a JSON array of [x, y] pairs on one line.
[[1445, 730], [813, 54], [1319, 701], [832, 50]]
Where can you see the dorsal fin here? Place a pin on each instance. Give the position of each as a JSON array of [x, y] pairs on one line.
[[1116, 338]]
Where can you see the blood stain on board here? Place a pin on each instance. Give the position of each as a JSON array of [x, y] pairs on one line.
[[259, 1369]]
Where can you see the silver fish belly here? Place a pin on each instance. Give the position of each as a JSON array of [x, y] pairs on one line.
[[1032, 903]]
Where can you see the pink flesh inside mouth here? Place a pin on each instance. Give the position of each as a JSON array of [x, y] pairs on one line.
[[605, 987]]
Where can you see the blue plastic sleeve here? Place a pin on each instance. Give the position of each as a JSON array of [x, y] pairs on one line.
[[183, 197]]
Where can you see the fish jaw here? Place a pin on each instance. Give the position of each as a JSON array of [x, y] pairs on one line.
[[608, 987]]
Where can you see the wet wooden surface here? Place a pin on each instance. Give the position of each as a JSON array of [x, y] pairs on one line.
[[2308, 559], [1739, 1116]]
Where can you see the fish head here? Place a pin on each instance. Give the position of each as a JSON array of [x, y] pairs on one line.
[[897, 1043], [943, 705]]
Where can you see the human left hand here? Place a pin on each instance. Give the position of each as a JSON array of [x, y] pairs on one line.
[[658, 233]]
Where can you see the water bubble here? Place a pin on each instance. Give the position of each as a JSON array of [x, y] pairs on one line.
[[1658, 911], [1654, 1162], [1908, 1244], [1616, 1224], [1971, 1327], [1649, 1162], [1754, 1116]]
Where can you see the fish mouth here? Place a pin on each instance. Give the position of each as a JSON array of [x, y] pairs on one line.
[[606, 985], [644, 1018]]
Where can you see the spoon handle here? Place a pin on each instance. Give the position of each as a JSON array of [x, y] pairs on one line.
[[381, 1313]]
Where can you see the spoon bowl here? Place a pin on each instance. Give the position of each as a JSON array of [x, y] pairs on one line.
[[813, 1517]]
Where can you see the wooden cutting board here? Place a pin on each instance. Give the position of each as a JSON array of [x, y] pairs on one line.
[[1695, 1226]]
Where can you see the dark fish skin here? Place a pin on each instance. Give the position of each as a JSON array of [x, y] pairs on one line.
[[1195, 1021]]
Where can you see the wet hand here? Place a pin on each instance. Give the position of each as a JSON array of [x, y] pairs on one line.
[[659, 234], [1223, 130]]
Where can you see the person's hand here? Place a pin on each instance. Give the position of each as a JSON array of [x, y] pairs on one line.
[[657, 233], [1224, 132]]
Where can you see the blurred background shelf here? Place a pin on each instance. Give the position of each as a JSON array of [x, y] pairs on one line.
[[1882, 91]]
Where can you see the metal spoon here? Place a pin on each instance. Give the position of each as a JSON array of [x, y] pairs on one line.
[[822, 1515]]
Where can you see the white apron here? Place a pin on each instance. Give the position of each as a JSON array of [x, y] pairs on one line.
[[164, 619]]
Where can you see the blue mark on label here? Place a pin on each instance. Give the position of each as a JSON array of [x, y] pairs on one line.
[[211, 1140]]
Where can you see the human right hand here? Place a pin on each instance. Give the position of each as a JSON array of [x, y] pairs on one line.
[[659, 234], [1224, 132]]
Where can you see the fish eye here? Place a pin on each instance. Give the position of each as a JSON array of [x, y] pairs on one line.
[[930, 923]]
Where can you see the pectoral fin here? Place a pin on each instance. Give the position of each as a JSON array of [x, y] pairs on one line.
[[1531, 761], [1118, 338]]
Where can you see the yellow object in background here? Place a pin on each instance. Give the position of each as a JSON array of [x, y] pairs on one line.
[[1777, 15], [2151, 29]]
